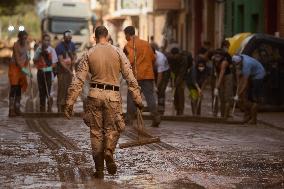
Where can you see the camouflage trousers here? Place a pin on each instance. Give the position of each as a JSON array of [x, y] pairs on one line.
[[103, 114]]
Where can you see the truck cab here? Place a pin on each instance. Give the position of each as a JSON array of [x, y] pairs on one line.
[[61, 15]]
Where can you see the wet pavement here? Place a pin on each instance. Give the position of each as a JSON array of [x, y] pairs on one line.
[[55, 153]]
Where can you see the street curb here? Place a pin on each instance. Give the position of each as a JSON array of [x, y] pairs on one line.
[[146, 117], [270, 125]]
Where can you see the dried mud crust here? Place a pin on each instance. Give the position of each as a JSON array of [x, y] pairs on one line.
[[70, 161]]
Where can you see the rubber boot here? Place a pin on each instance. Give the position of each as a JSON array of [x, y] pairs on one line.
[[253, 113], [12, 112], [227, 111], [18, 105], [99, 165], [60, 108], [49, 104], [111, 139], [42, 108], [246, 107], [194, 107], [156, 120]]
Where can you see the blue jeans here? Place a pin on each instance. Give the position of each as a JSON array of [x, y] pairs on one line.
[[147, 88]]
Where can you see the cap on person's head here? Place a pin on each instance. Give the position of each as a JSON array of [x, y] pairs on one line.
[[101, 31], [130, 30], [237, 58], [67, 33]]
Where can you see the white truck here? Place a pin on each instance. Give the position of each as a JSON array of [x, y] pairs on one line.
[[61, 15]]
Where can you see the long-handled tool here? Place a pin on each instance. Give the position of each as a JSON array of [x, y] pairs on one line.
[[49, 98], [197, 105], [143, 137], [214, 103], [235, 101], [30, 105]]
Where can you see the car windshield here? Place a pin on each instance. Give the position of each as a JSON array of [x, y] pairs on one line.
[[78, 27]]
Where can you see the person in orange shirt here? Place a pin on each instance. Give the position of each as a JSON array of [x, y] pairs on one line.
[[17, 73], [142, 59]]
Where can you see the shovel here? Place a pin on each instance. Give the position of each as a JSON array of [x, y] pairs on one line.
[[49, 98], [143, 137]]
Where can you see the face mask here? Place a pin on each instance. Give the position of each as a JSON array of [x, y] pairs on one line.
[[201, 69], [226, 49]]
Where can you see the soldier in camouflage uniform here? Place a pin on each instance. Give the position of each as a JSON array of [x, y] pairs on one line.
[[103, 112]]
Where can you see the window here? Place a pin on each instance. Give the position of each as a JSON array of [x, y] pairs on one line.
[[78, 27]]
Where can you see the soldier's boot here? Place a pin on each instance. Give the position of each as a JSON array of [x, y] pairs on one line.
[[111, 139], [99, 165], [12, 112], [253, 113], [18, 105]]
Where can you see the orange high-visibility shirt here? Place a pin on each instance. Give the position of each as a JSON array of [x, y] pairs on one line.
[[145, 58]]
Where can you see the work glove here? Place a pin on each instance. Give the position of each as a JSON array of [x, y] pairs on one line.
[[236, 98], [68, 111], [216, 92], [26, 71], [47, 69]]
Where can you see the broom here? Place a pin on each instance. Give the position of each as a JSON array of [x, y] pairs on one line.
[[140, 123], [142, 139]]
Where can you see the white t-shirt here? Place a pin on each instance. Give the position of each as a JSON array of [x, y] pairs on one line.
[[161, 63], [49, 49]]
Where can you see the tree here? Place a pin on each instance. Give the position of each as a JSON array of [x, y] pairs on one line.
[[9, 7]]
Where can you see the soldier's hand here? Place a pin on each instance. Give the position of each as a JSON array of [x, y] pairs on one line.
[[139, 105], [68, 111]]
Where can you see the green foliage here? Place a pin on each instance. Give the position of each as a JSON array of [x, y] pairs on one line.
[[9, 7], [26, 16]]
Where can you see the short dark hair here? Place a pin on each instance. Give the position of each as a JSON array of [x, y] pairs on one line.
[[220, 52], [45, 35], [225, 43], [175, 50], [202, 50], [130, 30], [101, 31], [200, 60], [22, 34]]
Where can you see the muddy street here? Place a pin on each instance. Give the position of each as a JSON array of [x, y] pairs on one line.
[[53, 152]]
